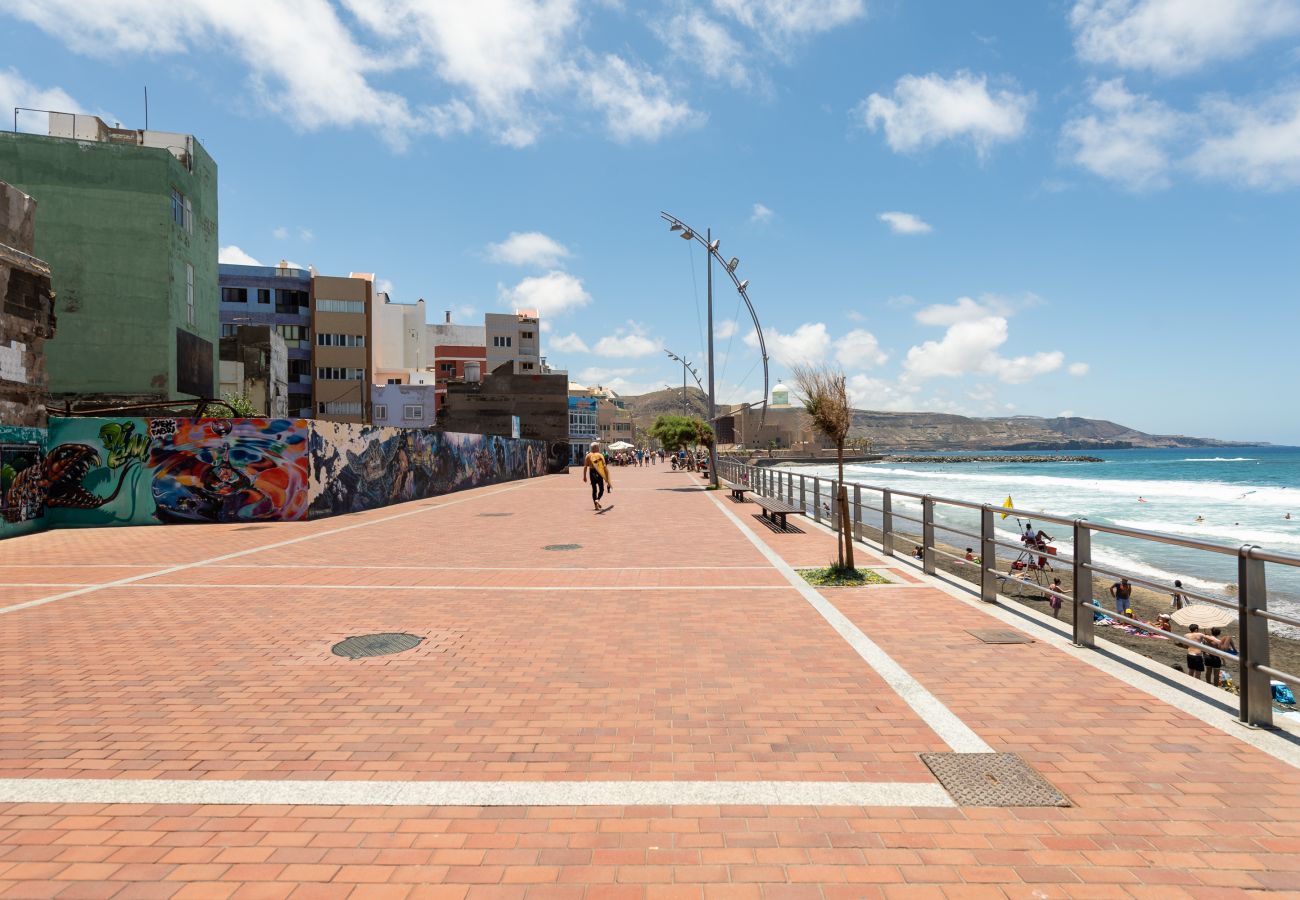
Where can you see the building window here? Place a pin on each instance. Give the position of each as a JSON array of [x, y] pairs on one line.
[[290, 302], [527, 366], [339, 408], [447, 368], [340, 306], [189, 217], [234, 295], [340, 340], [501, 341], [189, 292], [264, 295], [339, 373], [411, 412], [381, 411], [181, 209], [525, 335], [394, 381], [228, 330]]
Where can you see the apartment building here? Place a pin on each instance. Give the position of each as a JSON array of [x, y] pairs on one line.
[[513, 338], [459, 352], [278, 297], [341, 319]]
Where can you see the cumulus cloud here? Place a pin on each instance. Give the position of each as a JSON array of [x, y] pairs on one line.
[[905, 223], [761, 214], [866, 392], [550, 294], [281, 233], [528, 248], [780, 20], [707, 43], [1078, 369], [1257, 146], [637, 103], [567, 343], [964, 310], [811, 344], [969, 347], [18, 91], [725, 329], [232, 255], [630, 341], [859, 349], [1173, 37], [926, 110], [1127, 138]]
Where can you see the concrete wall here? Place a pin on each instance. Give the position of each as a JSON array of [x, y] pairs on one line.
[[118, 259], [92, 472], [540, 401]]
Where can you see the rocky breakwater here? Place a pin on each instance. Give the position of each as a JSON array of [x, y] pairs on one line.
[[1000, 458]]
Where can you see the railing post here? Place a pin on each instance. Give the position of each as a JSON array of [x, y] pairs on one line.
[[1252, 642], [817, 499], [886, 522], [1083, 630], [988, 557], [835, 505], [927, 534], [789, 487], [803, 492], [857, 511]]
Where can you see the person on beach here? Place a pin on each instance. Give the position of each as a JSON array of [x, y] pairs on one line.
[[1195, 658], [599, 466], [1054, 597], [970, 555], [1213, 663], [1177, 600], [1224, 641], [1121, 591]]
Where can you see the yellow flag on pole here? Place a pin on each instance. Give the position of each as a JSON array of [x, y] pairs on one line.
[[1007, 504]]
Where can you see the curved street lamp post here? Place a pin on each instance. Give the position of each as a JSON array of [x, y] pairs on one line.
[[711, 246]]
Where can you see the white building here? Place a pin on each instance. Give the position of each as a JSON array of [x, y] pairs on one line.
[[514, 338], [401, 342], [403, 405]]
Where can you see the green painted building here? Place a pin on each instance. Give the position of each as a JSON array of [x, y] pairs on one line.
[[128, 225]]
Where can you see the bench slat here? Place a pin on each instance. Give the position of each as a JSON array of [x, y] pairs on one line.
[[776, 506]]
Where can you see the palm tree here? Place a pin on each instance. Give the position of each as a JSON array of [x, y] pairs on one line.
[[826, 400]]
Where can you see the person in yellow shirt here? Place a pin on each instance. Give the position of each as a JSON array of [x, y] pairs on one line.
[[595, 461]]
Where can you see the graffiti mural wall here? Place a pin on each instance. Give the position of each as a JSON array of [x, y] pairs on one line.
[[127, 471], [356, 467], [22, 480], [150, 471]]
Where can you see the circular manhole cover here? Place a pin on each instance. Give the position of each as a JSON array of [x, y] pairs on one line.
[[562, 547], [375, 645]]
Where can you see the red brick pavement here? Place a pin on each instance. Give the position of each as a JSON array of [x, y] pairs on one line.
[[683, 682]]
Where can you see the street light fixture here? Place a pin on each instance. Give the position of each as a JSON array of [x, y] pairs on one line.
[[711, 245]]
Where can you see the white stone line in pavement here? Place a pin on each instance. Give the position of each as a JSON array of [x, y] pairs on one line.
[[474, 793], [509, 568], [942, 721], [181, 567], [235, 586]]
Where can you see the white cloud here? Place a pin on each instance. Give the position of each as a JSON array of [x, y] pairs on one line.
[[528, 248], [725, 329], [384, 286], [636, 102], [305, 234], [905, 223], [1078, 369], [1065, 414], [567, 343], [761, 214], [630, 341], [280, 233], [859, 349], [706, 43], [18, 91], [929, 109], [1127, 139], [964, 310], [969, 347], [1256, 146], [876, 393], [602, 374], [232, 255], [778, 20], [1173, 37], [550, 294], [807, 345]]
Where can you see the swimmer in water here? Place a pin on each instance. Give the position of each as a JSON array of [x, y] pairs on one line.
[[1142, 499], [1287, 516], [1200, 518]]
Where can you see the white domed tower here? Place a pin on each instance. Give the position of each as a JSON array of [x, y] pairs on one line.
[[780, 395]]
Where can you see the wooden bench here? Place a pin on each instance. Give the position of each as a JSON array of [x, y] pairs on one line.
[[738, 491], [776, 510]]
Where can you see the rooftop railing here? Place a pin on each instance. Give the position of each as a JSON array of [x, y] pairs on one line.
[[815, 495]]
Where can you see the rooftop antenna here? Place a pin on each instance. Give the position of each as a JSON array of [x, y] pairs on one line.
[[146, 107]]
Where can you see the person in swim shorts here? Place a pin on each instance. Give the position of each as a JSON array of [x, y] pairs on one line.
[[596, 462]]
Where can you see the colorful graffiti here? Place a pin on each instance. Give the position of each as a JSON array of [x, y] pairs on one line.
[[22, 480], [145, 471], [356, 467], [129, 471]]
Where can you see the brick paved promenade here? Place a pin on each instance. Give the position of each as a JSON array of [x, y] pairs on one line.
[[661, 712]]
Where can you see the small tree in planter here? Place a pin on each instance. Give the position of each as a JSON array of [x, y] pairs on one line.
[[826, 400], [676, 433]]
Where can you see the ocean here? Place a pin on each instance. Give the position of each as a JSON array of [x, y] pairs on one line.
[[1241, 494]]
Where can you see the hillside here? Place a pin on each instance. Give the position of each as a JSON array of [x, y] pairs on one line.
[[917, 431]]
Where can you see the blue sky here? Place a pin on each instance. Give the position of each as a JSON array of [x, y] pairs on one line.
[[985, 208]]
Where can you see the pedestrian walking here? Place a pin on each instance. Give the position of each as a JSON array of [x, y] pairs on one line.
[[599, 466]]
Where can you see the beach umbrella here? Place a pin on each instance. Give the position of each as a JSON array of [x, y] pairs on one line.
[[621, 445], [1205, 616]]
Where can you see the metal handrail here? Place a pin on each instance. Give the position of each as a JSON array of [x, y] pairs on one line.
[[1251, 602]]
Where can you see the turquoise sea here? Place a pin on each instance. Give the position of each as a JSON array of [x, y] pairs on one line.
[[1241, 494]]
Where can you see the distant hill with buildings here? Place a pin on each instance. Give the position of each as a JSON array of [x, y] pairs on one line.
[[916, 431]]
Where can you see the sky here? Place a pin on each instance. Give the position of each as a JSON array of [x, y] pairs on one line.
[[1041, 207]]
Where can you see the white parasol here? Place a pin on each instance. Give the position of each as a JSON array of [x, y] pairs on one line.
[[622, 445], [1205, 616]]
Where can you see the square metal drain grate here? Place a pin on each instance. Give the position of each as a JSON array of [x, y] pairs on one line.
[[992, 779], [998, 636]]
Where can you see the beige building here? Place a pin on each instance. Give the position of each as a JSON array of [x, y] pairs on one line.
[[785, 427], [342, 311], [514, 338]]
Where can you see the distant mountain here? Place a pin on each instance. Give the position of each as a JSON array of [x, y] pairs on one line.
[[914, 431]]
